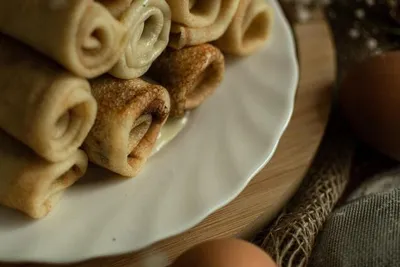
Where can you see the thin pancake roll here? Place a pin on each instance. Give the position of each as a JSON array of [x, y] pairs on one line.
[[148, 23], [199, 21], [32, 185], [131, 114], [81, 35], [190, 75], [249, 29], [41, 104]]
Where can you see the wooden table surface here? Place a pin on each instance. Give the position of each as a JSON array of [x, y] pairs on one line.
[[274, 185]]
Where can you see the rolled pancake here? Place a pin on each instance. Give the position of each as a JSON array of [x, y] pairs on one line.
[[131, 114], [249, 29], [190, 75], [148, 23], [199, 21], [41, 104], [31, 184], [81, 35], [195, 13]]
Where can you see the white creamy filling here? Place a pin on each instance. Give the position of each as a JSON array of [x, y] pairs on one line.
[[169, 131]]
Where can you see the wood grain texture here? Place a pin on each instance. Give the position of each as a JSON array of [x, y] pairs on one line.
[[275, 184]]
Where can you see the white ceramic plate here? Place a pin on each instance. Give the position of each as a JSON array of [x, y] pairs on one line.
[[225, 143]]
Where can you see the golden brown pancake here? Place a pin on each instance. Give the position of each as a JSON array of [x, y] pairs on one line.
[[130, 116], [190, 75]]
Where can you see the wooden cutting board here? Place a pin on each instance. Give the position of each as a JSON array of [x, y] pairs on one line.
[[276, 183]]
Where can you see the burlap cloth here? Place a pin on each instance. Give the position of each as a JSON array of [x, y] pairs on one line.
[[290, 239], [334, 220]]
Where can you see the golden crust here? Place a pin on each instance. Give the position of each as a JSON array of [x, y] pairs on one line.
[[190, 75], [120, 104]]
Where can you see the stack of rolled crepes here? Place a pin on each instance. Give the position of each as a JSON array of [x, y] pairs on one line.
[[239, 27], [191, 69], [49, 110]]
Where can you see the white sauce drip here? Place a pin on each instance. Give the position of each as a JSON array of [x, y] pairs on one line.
[[169, 131]]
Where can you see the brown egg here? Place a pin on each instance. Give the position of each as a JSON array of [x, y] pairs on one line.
[[224, 253], [370, 100]]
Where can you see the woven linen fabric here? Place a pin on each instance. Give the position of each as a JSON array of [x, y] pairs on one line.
[[364, 232], [379, 183]]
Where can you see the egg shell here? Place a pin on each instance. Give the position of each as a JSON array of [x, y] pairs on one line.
[[370, 100], [225, 253]]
